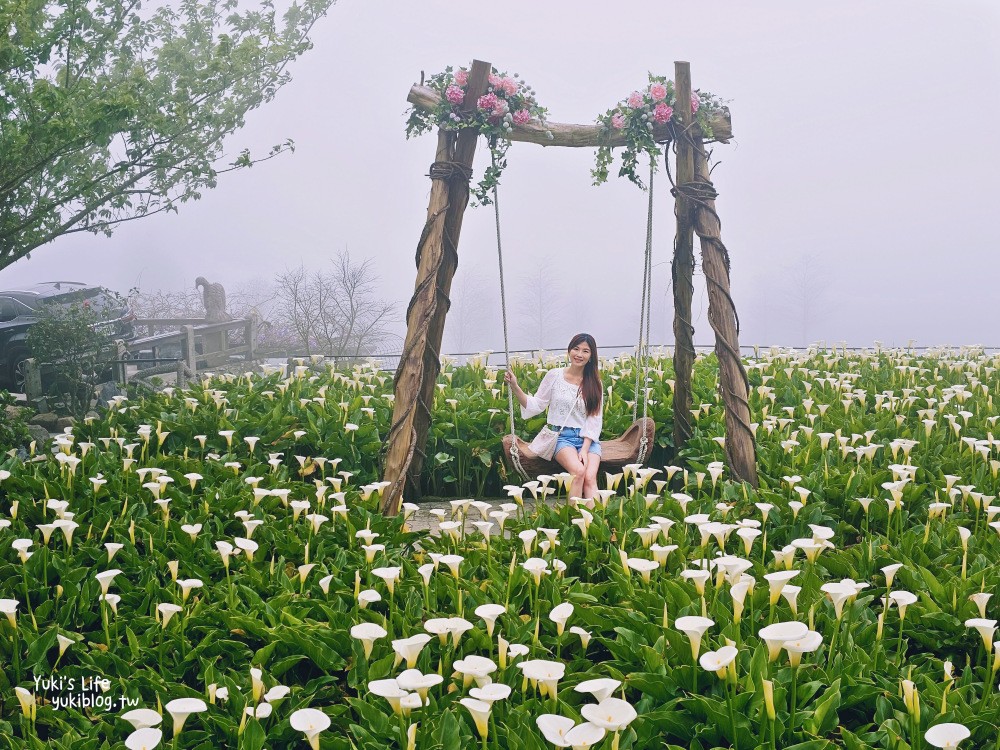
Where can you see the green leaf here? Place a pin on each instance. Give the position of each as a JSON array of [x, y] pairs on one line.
[[824, 717]]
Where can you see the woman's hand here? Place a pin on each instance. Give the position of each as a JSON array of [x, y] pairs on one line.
[[584, 455], [511, 379]]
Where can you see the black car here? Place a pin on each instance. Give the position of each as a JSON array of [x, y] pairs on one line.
[[19, 310]]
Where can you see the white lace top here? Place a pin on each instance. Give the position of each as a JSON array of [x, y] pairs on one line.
[[565, 404]]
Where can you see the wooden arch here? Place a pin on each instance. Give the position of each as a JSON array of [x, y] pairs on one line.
[[437, 260]]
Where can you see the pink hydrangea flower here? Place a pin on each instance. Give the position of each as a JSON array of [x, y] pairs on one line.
[[494, 80], [454, 94], [618, 121], [522, 117], [487, 102], [658, 92], [635, 100], [509, 86], [501, 107], [695, 102], [662, 112], [461, 76]]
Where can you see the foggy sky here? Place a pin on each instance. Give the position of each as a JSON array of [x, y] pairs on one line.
[[857, 199]]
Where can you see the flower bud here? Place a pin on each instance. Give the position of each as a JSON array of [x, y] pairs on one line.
[[769, 699]]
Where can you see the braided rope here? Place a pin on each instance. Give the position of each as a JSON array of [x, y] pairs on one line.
[[515, 453]]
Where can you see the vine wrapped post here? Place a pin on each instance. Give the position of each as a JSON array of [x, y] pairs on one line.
[[682, 264], [741, 448], [437, 259]]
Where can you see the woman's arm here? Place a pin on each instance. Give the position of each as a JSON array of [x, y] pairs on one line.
[[534, 405], [593, 425], [511, 379]]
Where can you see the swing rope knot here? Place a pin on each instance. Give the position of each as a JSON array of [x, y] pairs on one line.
[[450, 170], [696, 190]]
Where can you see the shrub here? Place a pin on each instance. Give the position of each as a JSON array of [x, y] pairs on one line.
[[74, 352]]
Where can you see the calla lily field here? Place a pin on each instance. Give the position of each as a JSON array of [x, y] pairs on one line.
[[208, 567]]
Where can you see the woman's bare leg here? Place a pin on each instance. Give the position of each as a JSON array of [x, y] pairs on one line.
[[590, 477], [569, 459]]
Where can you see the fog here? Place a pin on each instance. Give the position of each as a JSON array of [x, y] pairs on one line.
[[857, 198]]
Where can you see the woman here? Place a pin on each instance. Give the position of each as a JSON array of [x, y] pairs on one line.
[[574, 396]]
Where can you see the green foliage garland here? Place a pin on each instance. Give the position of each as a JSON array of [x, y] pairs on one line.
[[508, 101], [636, 115]]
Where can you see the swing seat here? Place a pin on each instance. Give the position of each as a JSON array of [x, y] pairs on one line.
[[614, 453]]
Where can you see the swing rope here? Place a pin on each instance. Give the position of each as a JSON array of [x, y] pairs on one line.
[[642, 349], [515, 453]]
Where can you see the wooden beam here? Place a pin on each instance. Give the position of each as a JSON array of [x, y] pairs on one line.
[[574, 136], [682, 266], [437, 259]]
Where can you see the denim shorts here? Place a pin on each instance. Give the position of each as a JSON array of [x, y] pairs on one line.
[[570, 436]]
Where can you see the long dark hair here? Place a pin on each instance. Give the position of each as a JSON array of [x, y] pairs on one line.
[[591, 387]]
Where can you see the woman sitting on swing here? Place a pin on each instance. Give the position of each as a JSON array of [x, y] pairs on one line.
[[574, 396]]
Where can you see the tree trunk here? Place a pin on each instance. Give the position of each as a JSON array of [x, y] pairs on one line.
[[437, 259], [682, 265], [741, 449]]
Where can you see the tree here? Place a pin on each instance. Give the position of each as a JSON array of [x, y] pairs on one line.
[[335, 312], [472, 316], [805, 282], [109, 114], [74, 350], [541, 303]]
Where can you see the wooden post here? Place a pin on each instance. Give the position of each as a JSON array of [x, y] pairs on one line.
[[251, 339], [741, 450], [32, 380], [188, 348], [437, 259], [121, 368], [682, 265]]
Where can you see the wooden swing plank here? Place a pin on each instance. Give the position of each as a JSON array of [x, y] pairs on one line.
[[575, 136], [614, 453]]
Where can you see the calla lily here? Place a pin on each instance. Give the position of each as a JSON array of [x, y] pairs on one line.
[[808, 643], [902, 599], [777, 634], [600, 688], [26, 698], [980, 599], [141, 718], [311, 722], [546, 673], [776, 582], [414, 680], [986, 628], [480, 711], [555, 728], [489, 613], [582, 736], [146, 738], [368, 633], [694, 627], [167, 610], [947, 735], [491, 693], [180, 708], [105, 578], [560, 614], [611, 714], [718, 661], [474, 667]]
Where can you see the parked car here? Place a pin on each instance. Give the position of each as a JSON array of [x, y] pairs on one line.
[[19, 310]]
